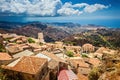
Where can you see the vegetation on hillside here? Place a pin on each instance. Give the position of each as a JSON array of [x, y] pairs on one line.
[[1, 45], [84, 55], [2, 49], [107, 38], [30, 40], [69, 53], [109, 69]]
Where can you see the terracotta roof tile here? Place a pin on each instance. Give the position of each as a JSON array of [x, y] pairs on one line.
[[94, 61], [29, 65], [53, 56], [81, 63], [101, 49], [5, 56], [53, 64], [14, 49], [67, 75], [23, 53], [15, 38], [82, 77]]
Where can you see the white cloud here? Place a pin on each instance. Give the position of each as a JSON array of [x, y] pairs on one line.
[[80, 5], [33, 7], [93, 8], [47, 7], [69, 11]]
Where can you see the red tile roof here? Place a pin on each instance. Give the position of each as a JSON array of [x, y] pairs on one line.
[[67, 75], [79, 62], [5, 56], [94, 61], [30, 65]]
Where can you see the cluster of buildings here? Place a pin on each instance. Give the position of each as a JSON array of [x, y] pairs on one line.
[[47, 61]]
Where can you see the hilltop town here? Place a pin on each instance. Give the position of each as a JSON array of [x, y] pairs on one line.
[[28, 58]]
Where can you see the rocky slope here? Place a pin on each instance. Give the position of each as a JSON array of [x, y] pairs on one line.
[[68, 32], [32, 30], [100, 37]]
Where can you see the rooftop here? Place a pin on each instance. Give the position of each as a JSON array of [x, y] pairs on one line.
[[67, 75], [40, 55], [53, 64], [15, 38], [82, 77], [94, 61], [13, 49], [23, 53], [53, 56], [5, 56], [33, 45], [81, 63], [101, 49], [30, 65]]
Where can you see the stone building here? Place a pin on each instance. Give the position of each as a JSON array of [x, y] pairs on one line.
[[79, 66], [59, 44], [27, 68], [4, 58], [19, 39], [87, 48], [54, 63], [41, 38], [74, 49]]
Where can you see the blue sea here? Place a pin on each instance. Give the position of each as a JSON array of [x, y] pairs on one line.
[[111, 23]]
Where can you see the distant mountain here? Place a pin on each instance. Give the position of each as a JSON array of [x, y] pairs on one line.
[[52, 31], [32, 30], [10, 25], [74, 28], [69, 24], [50, 34]]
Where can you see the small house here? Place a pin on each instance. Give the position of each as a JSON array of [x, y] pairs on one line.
[[27, 68]]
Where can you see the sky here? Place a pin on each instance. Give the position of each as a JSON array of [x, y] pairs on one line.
[[79, 11]]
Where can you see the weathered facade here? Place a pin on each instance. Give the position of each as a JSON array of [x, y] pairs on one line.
[[41, 38], [27, 68]]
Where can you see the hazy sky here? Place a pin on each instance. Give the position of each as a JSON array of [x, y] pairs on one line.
[[92, 11]]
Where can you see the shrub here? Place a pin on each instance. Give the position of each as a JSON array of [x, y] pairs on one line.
[[30, 40], [94, 74], [1, 48], [84, 55], [69, 53]]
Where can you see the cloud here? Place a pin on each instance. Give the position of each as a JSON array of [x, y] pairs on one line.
[[67, 9], [95, 7], [33, 7], [47, 7], [80, 5]]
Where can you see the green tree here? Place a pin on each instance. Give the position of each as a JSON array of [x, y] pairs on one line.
[[94, 74], [69, 53], [2, 49], [30, 40], [84, 55]]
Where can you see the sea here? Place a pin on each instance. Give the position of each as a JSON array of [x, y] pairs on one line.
[[110, 23]]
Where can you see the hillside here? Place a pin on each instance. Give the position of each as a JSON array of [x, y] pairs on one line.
[[32, 30], [70, 33], [100, 37], [108, 70]]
